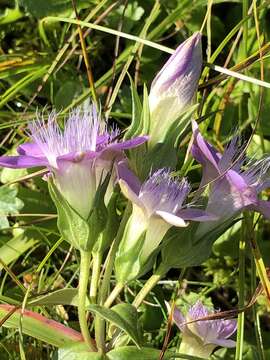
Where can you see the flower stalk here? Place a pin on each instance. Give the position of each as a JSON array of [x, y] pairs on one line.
[[260, 267], [97, 259], [99, 322], [113, 295], [83, 282], [149, 285]]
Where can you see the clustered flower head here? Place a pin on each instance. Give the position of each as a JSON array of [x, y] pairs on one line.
[[201, 337], [79, 156]]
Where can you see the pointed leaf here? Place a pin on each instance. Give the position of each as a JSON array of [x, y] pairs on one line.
[[117, 319], [97, 219], [112, 225], [145, 120], [9, 204], [58, 297], [135, 126], [15, 247]]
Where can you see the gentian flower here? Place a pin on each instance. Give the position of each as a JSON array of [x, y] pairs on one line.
[[200, 338], [174, 87], [157, 205], [79, 156], [234, 183]]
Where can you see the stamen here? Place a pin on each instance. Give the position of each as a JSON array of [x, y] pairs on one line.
[[162, 192]]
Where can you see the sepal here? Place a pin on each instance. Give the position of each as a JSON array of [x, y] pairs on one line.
[[97, 219], [113, 221], [128, 260], [71, 225]]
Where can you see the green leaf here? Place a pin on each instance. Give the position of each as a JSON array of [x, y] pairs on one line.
[[9, 204], [186, 357], [131, 13], [78, 352], [14, 248], [123, 317], [97, 219], [39, 327], [145, 113], [129, 313], [11, 15], [58, 297], [182, 248], [40, 8], [72, 226], [128, 262], [9, 175], [111, 228], [132, 353], [66, 94], [135, 126]]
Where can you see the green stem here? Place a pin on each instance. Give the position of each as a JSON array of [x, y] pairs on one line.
[[99, 334], [241, 279], [97, 259], [113, 295], [150, 283], [256, 316], [111, 257], [83, 282], [100, 323]]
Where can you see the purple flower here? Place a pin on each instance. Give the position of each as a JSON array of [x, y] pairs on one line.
[[174, 87], [157, 205], [235, 183], [79, 156], [200, 338]]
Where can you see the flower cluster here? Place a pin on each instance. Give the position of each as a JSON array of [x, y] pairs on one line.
[[86, 162]]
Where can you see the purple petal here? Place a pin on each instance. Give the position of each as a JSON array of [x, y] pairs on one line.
[[22, 161], [196, 215], [129, 194], [205, 151], [237, 180], [198, 310], [224, 343], [30, 149], [179, 319], [231, 152], [172, 219], [229, 327], [77, 156], [262, 207], [186, 58], [101, 139], [127, 175], [128, 144]]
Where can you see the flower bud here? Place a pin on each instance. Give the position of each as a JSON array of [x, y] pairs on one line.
[[174, 87]]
